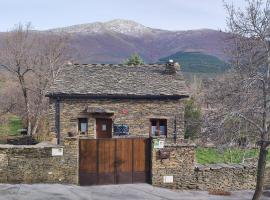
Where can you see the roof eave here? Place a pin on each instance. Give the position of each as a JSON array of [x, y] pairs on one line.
[[116, 96]]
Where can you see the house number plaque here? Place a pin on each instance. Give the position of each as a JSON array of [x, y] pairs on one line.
[[57, 152]]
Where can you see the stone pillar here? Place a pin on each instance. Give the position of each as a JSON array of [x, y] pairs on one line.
[[71, 157], [173, 165]]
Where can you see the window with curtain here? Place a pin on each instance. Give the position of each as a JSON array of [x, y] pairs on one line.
[[158, 127], [83, 125]]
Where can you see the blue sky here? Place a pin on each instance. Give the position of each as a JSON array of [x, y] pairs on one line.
[[164, 14]]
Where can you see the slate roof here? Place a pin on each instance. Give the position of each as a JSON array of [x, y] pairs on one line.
[[118, 80]]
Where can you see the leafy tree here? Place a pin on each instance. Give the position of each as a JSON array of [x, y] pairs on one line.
[[134, 59], [192, 119]]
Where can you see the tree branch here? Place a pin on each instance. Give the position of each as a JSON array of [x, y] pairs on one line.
[[249, 120]]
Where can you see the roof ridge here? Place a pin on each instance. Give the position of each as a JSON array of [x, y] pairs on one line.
[[120, 64]]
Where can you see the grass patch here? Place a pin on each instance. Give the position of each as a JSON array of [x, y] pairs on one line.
[[214, 156], [10, 126]]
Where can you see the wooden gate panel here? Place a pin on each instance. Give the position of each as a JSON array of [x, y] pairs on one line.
[[106, 161], [124, 160], [110, 161], [87, 164], [141, 162]]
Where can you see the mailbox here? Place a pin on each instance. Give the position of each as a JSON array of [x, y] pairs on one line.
[[163, 154]]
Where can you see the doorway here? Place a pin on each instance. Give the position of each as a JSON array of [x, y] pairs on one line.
[[103, 128]]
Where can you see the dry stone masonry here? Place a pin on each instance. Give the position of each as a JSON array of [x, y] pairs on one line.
[[36, 164], [173, 166], [179, 166], [135, 113], [225, 177], [184, 173], [129, 95]]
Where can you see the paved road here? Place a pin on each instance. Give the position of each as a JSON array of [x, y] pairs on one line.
[[109, 192]]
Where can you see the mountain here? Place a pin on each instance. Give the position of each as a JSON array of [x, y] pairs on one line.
[[126, 27], [114, 41]]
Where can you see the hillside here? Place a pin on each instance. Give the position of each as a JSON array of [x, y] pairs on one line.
[[114, 41], [196, 62]]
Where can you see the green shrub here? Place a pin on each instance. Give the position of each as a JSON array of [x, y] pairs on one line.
[[11, 127], [192, 119]]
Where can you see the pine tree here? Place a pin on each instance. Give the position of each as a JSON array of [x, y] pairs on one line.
[[134, 59]]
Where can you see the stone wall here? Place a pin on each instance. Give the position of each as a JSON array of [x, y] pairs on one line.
[[228, 177], [21, 140], [225, 177], [35, 164], [187, 175], [135, 113]]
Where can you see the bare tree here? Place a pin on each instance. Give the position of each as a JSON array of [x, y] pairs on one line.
[[243, 95], [34, 59]]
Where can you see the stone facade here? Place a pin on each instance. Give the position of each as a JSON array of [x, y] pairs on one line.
[[35, 164], [135, 113]]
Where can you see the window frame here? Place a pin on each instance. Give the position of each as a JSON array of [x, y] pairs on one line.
[[158, 122], [80, 121]]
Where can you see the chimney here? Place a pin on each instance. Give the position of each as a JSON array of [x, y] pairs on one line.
[[172, 67], [69, 62]]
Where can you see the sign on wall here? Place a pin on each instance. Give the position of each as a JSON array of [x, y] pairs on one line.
[[120, 129], [57, 151], [167, 179], [159, 143], [124, 111]]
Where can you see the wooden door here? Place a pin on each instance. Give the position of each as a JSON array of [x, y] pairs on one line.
[[103, 128], [114, 161]]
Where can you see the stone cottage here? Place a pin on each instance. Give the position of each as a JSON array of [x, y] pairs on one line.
[[115, 111], [108, 101]]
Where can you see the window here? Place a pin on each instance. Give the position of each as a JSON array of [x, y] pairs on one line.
[[158, 127], [83, 125]]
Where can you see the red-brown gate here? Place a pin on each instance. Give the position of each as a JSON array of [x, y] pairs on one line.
[[114, 161]]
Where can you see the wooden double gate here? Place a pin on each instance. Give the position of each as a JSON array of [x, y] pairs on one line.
[[114, 161]]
